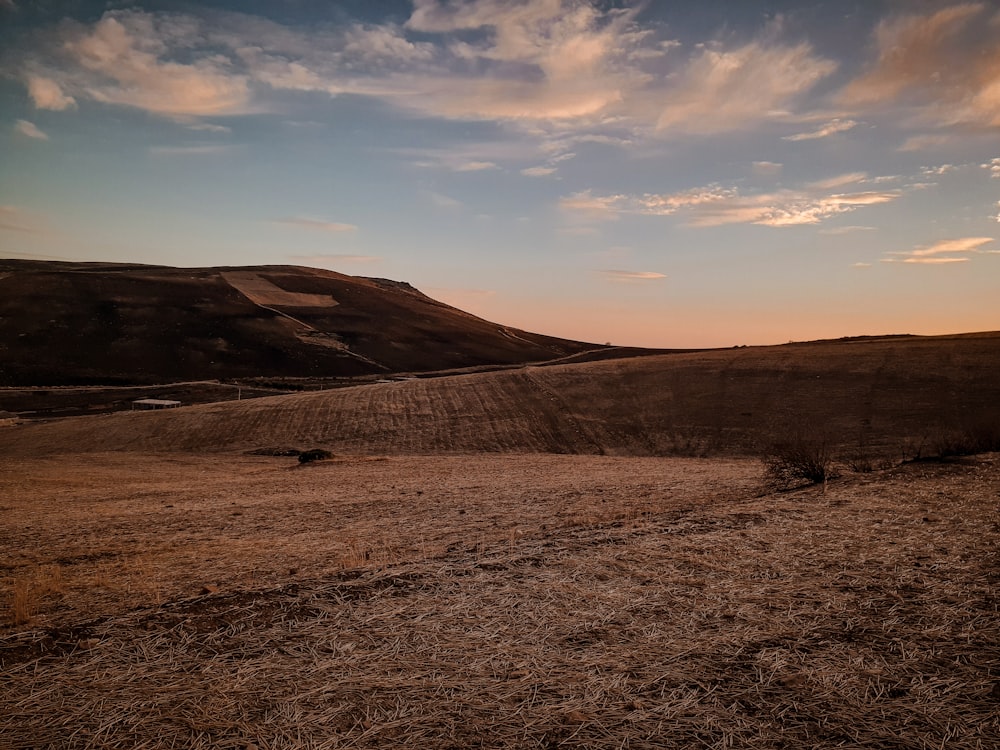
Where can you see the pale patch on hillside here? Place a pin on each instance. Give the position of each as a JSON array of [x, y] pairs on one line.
[[260, 291]]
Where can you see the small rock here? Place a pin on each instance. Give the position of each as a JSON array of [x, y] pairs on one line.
[[208, 588]]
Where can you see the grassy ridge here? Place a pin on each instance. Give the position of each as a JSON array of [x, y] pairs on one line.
[[892, 394]]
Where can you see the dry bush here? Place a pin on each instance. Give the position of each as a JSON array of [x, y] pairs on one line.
[[863, 459], [315, 454], [800, 459], [968, 441]]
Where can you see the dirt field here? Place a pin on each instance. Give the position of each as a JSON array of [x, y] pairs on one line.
[[451, 601]]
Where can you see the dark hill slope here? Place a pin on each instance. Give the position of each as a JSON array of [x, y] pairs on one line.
[[79, 323], [895, 394]]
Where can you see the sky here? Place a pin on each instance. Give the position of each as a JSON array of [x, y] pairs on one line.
[[661, 174]]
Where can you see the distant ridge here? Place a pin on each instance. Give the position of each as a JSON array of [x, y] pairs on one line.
[[115, 323], [893, 397]]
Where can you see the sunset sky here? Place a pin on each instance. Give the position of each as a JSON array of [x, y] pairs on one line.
[[665, 174]]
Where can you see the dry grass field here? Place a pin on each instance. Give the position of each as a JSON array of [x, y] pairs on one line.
[[579, 555], [178, 600]]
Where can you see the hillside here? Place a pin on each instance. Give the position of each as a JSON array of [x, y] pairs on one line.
[[894, 394], [88, 323]]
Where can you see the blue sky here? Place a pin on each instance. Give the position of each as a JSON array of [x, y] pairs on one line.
[[661, 174]]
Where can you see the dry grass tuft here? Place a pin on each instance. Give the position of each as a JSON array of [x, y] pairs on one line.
[[27, 591]]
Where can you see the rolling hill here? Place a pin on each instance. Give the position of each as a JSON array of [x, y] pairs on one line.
[[893, 394], [117, 324]]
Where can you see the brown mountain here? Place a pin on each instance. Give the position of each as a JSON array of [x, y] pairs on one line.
[[81, 323]]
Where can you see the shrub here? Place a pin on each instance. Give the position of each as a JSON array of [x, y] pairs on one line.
[[274, 452], [973, 439], [315, 454], [801, 459]]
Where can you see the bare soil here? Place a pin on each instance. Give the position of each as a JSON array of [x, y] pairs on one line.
[[510, 600]]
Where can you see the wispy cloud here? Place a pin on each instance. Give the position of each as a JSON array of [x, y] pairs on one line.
[[963, 245], [589, 206], [840, 180], [715, 205], [538, 171], [724, 89], [831, 128], [767, 168], [475, 166], [631, 276], [124, 58], [209, 127], [444, 201], [942, 60], [925, 142], [846, 230], [204, 149], [14, 219], [942, 252], [30, 130], [317, 224], [937, 171]]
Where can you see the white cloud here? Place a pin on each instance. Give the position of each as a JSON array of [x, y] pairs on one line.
[[850, 178], [538, 171], [935, 261], [846, 230], [939, 170], [715, 205], [318, 224], [209, 127], [593, 208], [832, 127], [475, 166], [122, 59], [925, 142], [30, 130], [205, 149], [954, 251], [47, 94], [963, 245], [943, 62], [443, 201], [767, 168], [724, 90], [993, 167], [862, 265], [629, 276]]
